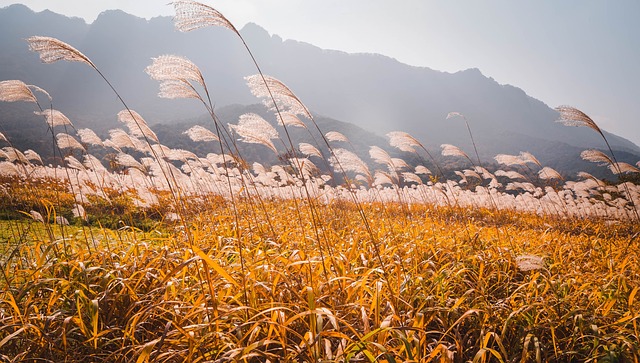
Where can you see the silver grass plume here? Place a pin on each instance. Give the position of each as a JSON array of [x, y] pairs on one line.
[[509, 160], [191, 15], [510, 174], [463, 177], [15, 90], [549, 173], [121, 139], [571, 116], [200, 134], [66, 141], [411, 177], [175, 74], [3, 138], [173, 67], [54, 118], [336, 136], [421, 169], [305, 167], [574, 117], [74, 163], [89, 137], [128, 161], [8, 168], [382, 178], [33, 156], [596, 156], [137, 125], [529, 263], [350, 162], [255, 130], [289, 119], [622, 167], [275, 90], [93, 163], [403, 141], [587, 176], [52, 50], [309, 150], [451, 150], [14, 155], [181, 155], [36, 216], [528, 157]]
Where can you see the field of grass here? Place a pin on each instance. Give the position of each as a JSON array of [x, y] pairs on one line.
[[162, 255], [448, 285]]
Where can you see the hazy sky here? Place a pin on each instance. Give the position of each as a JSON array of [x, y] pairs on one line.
[[584, 53]]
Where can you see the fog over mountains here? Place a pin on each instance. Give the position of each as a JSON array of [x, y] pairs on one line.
[[373, 92]]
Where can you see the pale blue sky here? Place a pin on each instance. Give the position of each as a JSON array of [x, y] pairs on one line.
[[584, 53]]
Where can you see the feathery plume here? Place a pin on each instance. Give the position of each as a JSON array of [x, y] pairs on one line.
[[336, 136], [121, 139], [309, 150], [66, 141], [173, 67], [304, 166], [174, 89], [382, 178], [285, 99], [3, 138], [289, 119], [52, 50], [451, 150], [549, 173], [421, 169], [587, 176], [454, 114], [89, 137], [571, 116], [510, 174], [191, 15], [14, 90], [93, 163], [198, 133], [254, 129], [509, 160], [528, 157], [596, 156], [403, 141], [380, 156], [529, 262], [128, 161], [349, 162], [54, 118], [33, 156], [411, 177], [36, 216], [15, 155], [137, 125], [622, 167], [74, 163], [8, 168]]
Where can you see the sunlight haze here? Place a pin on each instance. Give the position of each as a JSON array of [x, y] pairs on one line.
[[581, 53]]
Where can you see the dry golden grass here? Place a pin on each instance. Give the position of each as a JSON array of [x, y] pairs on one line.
[[450, 288]]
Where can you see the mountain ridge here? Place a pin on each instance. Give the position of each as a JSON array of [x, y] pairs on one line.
[[372, 91]]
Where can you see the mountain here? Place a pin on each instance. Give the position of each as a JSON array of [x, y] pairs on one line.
[[371, 91]]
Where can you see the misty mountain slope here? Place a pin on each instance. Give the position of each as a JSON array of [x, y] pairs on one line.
[[374, 92]]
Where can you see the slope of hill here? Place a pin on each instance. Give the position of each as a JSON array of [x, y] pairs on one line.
[[371, 91]]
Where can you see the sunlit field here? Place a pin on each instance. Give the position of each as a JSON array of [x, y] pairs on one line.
[[163, 255]]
